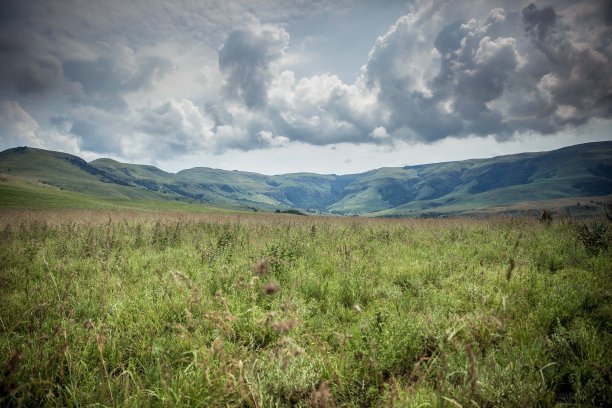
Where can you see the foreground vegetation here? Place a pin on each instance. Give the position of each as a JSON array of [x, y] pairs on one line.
[[130, 309]]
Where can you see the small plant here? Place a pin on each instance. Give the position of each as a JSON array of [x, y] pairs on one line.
[[593, 237], [608, 210], [546, 217]]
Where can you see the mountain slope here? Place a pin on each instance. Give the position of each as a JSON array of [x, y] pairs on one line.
[[575, 171], [68, 172]]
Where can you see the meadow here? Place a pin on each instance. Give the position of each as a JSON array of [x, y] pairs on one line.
[[116, 308]]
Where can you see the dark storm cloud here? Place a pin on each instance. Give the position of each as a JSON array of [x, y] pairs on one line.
[[28, 66], [475, 67], [104, 80], [246, 57], [390, 73], [493, 79], [579, 77], [26, 71]]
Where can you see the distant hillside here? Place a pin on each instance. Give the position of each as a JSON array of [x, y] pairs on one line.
[[463, 186]]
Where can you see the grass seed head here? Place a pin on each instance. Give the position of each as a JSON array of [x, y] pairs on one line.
[[472, 369], [100, 342], [271, 288], [217, 346], [322, 397], [261, 268], [284, 326]]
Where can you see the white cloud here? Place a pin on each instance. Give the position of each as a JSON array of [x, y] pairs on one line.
[[154, 81], [246, 58], [19, 128], [174, 127], [380, 133], [267, 139]]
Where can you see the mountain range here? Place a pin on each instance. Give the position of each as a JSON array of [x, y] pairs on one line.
[[583, 170]]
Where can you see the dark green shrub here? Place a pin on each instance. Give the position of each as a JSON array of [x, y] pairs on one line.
[[593, 237], [608, 210], [546, 217]]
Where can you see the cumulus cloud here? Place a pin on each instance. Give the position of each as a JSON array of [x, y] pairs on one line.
[[445, 69], [321, 109], [499, 75], [19, 128], [174, 127], [246, 57], [492, 79]]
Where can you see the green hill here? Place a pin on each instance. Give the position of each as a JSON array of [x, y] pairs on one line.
[[463, 186], [68, 172]]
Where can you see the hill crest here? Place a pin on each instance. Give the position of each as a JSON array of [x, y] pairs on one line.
[[451, 187]]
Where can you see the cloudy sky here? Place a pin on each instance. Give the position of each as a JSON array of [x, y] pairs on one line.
[[277, 86]]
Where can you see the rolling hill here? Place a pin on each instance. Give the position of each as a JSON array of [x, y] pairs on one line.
[[453, 187]]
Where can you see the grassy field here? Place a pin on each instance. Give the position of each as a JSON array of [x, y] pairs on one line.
[[22, 193], [184, 309]]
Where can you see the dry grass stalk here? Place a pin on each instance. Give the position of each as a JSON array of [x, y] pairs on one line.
[[322, 397], [511, 266], [180, 277], [442, 372], [100, 343], [414, 375], [217, 347], [284, 326], [472, 369]]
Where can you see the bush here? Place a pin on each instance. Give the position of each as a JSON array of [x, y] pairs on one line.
[[546, 217], [593, 237], [608, 210]]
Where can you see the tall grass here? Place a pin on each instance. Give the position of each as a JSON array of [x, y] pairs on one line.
[[135, 309]]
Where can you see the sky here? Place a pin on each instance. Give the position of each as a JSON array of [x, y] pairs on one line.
[[282, 86]]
